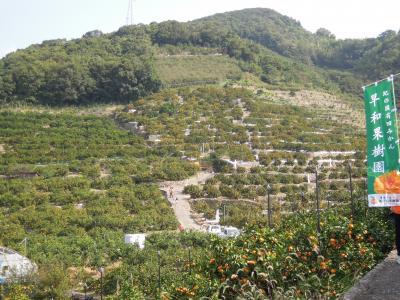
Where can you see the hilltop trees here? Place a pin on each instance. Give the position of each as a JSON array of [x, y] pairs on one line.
[[66, 84], [7, 87], [121, 66], [89, 70]]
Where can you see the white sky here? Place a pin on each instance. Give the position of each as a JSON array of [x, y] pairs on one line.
[[23, 22]]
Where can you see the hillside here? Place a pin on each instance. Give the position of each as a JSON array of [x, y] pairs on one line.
[[74, 181], [131, 62], [269, 28], [368, 58], [156, 127]]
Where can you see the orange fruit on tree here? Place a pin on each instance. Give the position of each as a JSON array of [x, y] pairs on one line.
[[323, 265]]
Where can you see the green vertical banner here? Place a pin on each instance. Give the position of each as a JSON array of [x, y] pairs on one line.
[[382, 145]]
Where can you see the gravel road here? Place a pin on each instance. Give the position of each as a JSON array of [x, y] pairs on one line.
[[180, 202]]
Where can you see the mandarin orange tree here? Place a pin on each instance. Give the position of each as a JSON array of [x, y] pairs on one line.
[[289, 261], [293, 261]]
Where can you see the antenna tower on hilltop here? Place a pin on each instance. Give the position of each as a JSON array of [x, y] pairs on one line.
[[129, 15]]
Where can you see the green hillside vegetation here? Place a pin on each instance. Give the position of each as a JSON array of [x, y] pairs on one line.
[[82, 71], [69, 181], [370, 58], [126, 65], [267, 27]]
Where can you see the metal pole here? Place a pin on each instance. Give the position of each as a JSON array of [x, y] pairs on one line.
[[26, 246], [293, 205], [351, 192], [366, 196], [302, 200], [101, 283], [317, 196], [190, 262], [365, 190], [159, 273], [395, 103], [269, 206]]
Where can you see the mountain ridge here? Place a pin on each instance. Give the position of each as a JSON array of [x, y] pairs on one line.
[[121, 66]]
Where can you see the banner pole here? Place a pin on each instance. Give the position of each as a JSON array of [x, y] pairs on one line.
[[395, 114]]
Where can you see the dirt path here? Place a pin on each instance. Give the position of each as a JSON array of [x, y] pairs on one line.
[[180, 201], [382, 283]]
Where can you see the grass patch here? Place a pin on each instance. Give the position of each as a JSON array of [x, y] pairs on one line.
[[182, 70]]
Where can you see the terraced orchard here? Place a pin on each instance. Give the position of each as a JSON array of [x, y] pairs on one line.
[[73, 183], [251, 139]]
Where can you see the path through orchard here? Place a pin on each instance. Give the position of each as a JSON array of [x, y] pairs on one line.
[[180, 202]]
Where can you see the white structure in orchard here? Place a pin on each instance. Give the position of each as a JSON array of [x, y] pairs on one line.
[[138, 239], [14, 266]]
